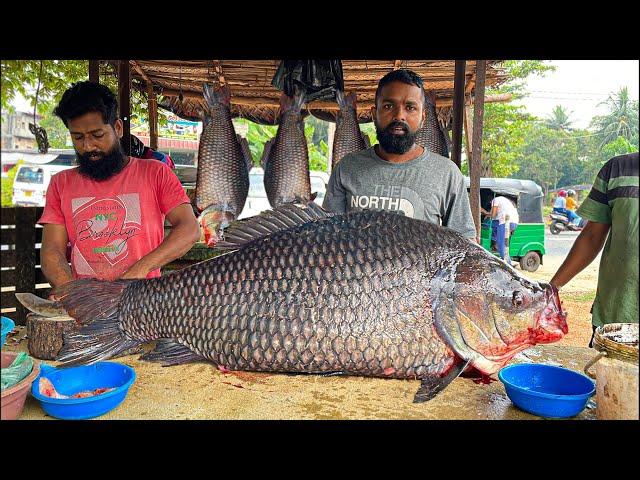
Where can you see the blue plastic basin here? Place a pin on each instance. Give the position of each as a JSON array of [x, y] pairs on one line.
[[7, 326], [68, 381], [546, 390]]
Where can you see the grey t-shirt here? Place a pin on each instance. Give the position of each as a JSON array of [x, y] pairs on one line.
[[429, 187]]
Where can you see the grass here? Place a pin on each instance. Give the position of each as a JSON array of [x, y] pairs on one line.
[[580, 296]]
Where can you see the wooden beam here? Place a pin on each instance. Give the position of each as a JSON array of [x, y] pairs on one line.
[[458, 112], [502, 97], [475, 162], [140, 71], [124, 101], [94, 71]]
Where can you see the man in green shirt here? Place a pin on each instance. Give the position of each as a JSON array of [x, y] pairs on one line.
[[611, 208]]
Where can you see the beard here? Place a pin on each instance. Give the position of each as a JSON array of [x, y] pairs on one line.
[[105, 167], [393, 143]]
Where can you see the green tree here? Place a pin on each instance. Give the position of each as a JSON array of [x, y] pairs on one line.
[[21, 76], [616, 147], [620, 121], [7, 185], [506, 124], [559, 119]]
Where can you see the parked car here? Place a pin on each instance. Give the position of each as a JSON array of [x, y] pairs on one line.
[[31, 183]]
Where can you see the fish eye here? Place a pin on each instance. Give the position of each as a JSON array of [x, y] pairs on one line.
[[518, 299]]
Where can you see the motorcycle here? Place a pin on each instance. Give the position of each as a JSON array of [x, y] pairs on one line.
[[560, 222]]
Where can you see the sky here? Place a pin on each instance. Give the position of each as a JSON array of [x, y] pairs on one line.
[[577, 85]]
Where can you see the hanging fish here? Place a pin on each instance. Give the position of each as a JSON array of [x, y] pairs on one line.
[[224, 161]]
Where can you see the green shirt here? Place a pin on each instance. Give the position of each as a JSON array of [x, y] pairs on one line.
[[613, 200]]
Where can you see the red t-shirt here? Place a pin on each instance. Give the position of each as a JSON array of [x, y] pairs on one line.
[[113, 224]]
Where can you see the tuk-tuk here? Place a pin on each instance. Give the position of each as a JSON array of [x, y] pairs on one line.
[[526, 244]]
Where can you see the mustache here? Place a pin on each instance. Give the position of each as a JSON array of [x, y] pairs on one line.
[[396, 124]]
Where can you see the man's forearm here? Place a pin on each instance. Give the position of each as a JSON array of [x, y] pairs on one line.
[[584, 250], [177, 243], [55, 267]]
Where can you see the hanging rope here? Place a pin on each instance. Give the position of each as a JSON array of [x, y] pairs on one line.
[[39, 132]]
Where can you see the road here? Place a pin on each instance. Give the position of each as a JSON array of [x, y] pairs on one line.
[[559, 245]]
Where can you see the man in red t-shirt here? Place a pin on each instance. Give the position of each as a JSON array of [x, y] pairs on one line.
[[111, 208]]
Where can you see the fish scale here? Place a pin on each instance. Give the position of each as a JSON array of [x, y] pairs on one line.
[[361, 319]]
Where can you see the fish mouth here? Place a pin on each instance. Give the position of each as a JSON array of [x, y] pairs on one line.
[[213, 222], [551, 324]]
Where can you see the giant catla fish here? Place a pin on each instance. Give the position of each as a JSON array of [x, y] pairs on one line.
[[430, 135], [347, 138], [222, 181], [369, 293], [285, 158]]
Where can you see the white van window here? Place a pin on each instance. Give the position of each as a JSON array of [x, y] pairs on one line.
[[30, 175], [256, 186]]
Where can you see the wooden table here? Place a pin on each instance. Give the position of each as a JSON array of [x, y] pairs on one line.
[[201, 391]]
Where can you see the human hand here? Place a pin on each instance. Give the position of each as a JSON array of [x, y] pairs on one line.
[[135, 272]]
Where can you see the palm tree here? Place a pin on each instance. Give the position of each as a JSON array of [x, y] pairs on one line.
[[559, 119], [621, 121]]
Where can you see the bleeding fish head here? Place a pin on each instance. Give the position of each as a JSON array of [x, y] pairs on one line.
[[497, 313], [213, 223]]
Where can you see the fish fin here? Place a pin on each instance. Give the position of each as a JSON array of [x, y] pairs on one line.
[[431, 386], [340, 99], [265, 152], [41, 306], [269, 222], [246, 151], [313, 196], [95, 304], [170, 352], [214, 97]]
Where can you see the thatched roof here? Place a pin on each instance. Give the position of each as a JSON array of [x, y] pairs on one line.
[[254, 97]]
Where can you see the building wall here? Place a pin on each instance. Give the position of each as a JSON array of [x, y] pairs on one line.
[[15, 131]]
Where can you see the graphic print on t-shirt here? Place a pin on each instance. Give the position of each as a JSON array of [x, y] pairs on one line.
[[103, 228], [396, 198]]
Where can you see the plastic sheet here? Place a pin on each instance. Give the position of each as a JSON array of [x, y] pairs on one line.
[[19, 369], [319, 79]]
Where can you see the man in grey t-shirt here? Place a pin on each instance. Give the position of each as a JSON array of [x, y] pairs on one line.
[[397, 174]]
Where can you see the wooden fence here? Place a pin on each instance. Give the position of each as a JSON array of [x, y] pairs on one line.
[[20, 259]]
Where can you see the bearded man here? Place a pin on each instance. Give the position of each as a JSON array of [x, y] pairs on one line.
[[397, 174], [110, 209]]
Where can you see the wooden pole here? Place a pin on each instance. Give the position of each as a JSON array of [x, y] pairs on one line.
[[94, 71], [458, 111], [124, 100], [152, 117], [475, 163], [468, 131]]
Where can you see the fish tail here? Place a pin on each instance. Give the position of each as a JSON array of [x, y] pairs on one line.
[[95, 304], [215, 97], [345, 101]]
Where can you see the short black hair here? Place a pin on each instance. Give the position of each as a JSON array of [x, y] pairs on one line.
[[84, 97], [401, 75]]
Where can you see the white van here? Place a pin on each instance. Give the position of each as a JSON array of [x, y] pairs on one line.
[[257, 198], [31, 183]]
